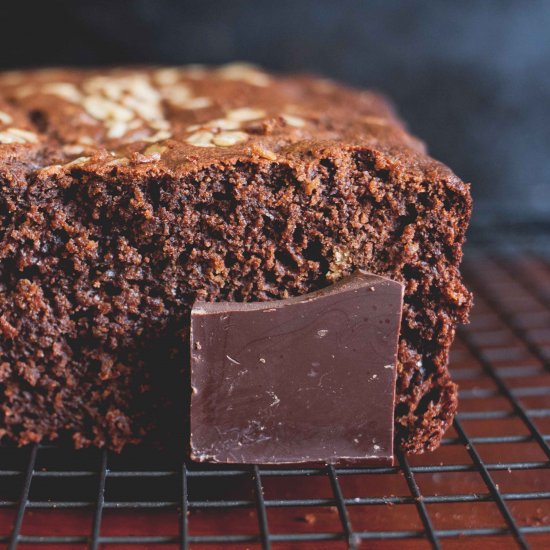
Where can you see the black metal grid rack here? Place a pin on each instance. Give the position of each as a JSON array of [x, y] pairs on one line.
[[488, 483]]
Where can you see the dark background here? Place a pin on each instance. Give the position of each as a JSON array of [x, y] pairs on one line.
[[472, 78]]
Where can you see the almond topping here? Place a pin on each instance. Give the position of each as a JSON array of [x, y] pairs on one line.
[[78, 161], [245, 113], [103, 109], [16, 135], [5, 118], [244, 72], [155, 148], [159, 136], [117, 129], [177, 94], [65, 90], [73, 149], [166, 77], [201, 139], [376, 120], [295, 121], [122, 161], [227, 139], [197, 103]]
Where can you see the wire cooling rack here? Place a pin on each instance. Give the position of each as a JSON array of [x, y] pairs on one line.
[[487, 485]]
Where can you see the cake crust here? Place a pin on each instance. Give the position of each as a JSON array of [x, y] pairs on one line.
[[127, 194]]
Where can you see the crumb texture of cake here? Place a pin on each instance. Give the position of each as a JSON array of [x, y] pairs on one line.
[[127, 194]]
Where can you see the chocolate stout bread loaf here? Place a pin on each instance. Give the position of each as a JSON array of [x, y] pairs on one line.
[[127, 194]]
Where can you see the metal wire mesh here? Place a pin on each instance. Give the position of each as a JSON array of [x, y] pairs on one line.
[[488, 482]]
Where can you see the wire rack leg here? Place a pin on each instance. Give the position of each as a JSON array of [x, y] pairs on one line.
[[352, 540], [261, 509], [100, 500], [418, 499], [23, 499], [184, 510], [495, 493]]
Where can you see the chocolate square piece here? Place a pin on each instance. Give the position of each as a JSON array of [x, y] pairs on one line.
[[309, 379]]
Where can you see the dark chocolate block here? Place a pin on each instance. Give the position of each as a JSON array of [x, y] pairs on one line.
[[306, 379], [128, 194]]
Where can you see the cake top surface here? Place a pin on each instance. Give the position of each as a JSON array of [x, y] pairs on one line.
[[174, 118]]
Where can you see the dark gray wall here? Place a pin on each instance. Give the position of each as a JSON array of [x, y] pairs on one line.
[[472, 78]]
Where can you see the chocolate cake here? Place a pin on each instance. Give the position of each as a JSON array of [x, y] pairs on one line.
[[128, 194]]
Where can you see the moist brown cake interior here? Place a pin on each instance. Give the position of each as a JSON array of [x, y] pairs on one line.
[[127, 194]]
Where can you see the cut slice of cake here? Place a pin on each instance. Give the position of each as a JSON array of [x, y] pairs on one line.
[[127, 194]]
